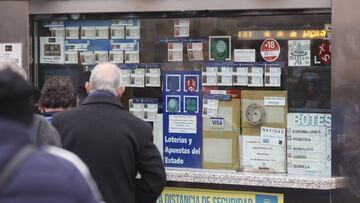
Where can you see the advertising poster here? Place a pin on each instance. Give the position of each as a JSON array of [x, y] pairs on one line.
[[11, 52], [52, 50], [309, 144], [299, 53], [171, 194], [182, 119], [220, 48]]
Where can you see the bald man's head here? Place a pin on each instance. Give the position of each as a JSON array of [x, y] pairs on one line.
[[106, 76]]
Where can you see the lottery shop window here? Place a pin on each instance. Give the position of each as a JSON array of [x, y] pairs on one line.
[[271, 54]]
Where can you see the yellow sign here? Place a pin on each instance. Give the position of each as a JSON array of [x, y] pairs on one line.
[[189, 195], [282, 34]]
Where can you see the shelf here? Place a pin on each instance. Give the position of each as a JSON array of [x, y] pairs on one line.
[[231, 177]]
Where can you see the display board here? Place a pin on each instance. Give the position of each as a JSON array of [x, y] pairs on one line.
[[309, 144], [216, 93], [182, 119]]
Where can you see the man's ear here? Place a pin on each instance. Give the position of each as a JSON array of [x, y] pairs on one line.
[[121, 91], [87, 87]]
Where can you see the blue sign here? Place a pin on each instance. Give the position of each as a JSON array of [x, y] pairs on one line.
[[182, 104]]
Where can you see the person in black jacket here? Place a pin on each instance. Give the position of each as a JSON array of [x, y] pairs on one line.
[[113, 143], [44, 131], [47, 174]]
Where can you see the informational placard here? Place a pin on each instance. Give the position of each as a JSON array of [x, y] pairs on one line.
[[71, 57], [57, 31], [171, 194], [117, 32], [182, 106], [274, 101], [137, 77], [144, 108], [132, 32], [175, 51], [101, 56], [72, 32], [272, 136], [257, 157], [272, 76], [244, 55], [299, 53], [209, 76], [309, 144], [152, 76], [255, 76], [224, 76], [88, 32], [182, 27], [270, 50], [11, 52], [195, 51], [52, 50], [240, 76]]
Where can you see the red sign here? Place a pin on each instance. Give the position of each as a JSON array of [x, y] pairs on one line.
[[270, 50], [324, 52], [191, 85]]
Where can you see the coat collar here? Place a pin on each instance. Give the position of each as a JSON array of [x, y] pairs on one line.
[[100, 96]]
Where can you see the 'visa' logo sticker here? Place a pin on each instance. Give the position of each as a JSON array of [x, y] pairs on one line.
[[217, 123]]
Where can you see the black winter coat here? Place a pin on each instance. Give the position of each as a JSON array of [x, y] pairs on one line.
[[116, 146]]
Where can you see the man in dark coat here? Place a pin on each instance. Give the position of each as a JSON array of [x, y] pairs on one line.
[[114, 144], [47, 174]]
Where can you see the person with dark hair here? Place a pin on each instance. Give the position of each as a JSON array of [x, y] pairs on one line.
[[29, 173], [44, 131], [57, 95]]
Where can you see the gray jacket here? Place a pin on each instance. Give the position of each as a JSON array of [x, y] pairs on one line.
[[45, 132]]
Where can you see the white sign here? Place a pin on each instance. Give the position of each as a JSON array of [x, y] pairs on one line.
[[274, 101], [175, 51], [244, 55], [309, 144], [256, 157], [185, 124], [299, 53], [182, 27], [195, 51], [11, 52], [272, 136], [52, 50]]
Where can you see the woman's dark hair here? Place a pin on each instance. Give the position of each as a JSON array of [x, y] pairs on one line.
[[58, 93]]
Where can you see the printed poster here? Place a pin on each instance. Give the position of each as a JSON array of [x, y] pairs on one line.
[[299, 53], [52, 50], [11, 52]]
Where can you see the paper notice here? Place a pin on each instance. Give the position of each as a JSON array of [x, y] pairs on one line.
[[185, 124]]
